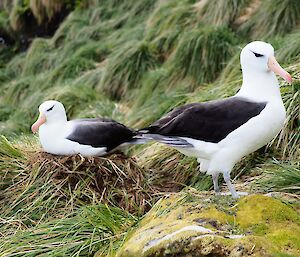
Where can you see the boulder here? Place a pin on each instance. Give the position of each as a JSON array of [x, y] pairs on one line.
[[200, 224]]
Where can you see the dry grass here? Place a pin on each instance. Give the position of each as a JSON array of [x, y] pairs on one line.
[[36, 186]]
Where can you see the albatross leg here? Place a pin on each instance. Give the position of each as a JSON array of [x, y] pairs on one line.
[[226, 176], [216, 183]]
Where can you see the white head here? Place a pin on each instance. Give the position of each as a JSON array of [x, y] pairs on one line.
[[50, 112], [259, 56]]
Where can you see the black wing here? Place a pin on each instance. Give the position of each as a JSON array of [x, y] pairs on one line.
[[100, 132], [208, 121]]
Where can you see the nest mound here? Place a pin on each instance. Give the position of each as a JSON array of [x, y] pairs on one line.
[[115, 179], [37, 187]]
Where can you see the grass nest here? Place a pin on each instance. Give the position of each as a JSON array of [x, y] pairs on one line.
[[115, 179], [37, 187]]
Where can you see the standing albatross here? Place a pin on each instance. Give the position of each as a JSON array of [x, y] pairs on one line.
[[219, 133], [88, 137]]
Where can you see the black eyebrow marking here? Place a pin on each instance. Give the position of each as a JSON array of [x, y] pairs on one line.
[[51, 108], [257, 55]]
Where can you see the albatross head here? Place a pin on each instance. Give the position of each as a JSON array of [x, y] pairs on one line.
[[259, 56], [50, 111]]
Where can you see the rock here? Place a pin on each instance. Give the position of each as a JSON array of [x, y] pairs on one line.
[[254, 225]]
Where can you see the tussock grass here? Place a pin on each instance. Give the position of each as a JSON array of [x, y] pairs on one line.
[[104, 108], [37, 62], [167, 22], [44, 10], [272, 18], [281, 177], [290, 49], [17, 91], [125, 69], [71, 26], [230, 80], [202, 53], [165, 162], [222, 12], [71, 68], [289, 138], [17, 15], [5, 29], [156, 90], [11, 163], [5, 112], [15, 66], [92, 229]]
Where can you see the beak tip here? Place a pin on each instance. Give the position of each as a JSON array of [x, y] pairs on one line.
[[33, 129]]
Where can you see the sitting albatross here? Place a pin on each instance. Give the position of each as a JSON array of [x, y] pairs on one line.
[[88, 137], [219, 133]]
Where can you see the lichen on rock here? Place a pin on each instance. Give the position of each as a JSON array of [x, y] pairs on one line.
[[200, 224]]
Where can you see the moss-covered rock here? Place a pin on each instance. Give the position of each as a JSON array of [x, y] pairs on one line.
[[198, 224]]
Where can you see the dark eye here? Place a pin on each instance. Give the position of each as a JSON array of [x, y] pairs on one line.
[[258, 55], [50, 109]]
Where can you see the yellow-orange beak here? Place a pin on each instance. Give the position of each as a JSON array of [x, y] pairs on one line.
[[277, 69], [40, 121]]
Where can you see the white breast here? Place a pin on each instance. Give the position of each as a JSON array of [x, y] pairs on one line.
[[53, 139]]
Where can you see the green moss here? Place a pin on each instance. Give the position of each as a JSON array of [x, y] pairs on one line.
[[257, 209], [285, 237], [270, 225], [268, 217]]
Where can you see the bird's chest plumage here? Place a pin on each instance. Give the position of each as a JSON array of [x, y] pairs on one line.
[[259, 130], [51, 135]]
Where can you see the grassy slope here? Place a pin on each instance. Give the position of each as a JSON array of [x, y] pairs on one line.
[[121, 59]]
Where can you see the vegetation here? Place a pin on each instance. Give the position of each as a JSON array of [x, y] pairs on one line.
[[132, 61], [91, 229]]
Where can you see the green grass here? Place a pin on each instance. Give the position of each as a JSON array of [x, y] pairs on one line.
[[90, 230], [287, 142], [167, 22], [126, 67], [272, 18], [222, 12], [283, 177], [290, 50], [202, 53]]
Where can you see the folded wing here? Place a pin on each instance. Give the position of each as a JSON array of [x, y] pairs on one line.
[[208, 121], [100, 133]]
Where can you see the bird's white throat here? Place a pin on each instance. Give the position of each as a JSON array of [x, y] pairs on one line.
[[260, 86]]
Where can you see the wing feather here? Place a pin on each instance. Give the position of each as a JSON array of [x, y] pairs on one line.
[[208, 121], [100, 133]]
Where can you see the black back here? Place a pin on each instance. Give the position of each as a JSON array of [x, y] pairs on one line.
[[208, 121], [101, 132]]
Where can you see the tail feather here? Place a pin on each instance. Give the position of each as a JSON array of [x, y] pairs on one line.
[[168, 140], [138, 141]]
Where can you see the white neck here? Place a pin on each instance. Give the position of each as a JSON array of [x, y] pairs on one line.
[[259, 86]]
